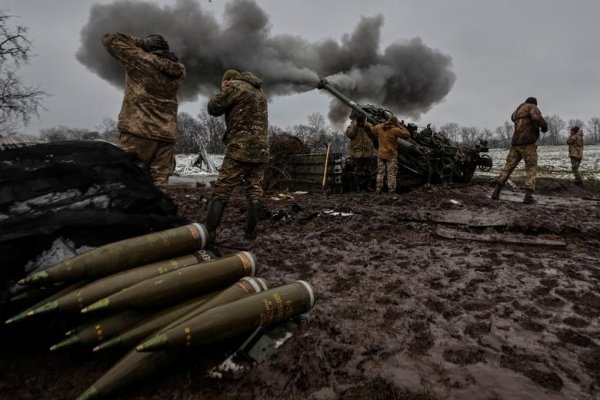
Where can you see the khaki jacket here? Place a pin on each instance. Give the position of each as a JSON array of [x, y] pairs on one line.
[[528, 121], [361, 145], [388, 135], [246, 116], [150, 103], [575, 142]]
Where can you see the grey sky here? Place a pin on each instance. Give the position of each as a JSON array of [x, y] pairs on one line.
[[502, 52]]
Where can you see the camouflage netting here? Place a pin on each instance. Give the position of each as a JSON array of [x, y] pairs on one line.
[[85, 193]]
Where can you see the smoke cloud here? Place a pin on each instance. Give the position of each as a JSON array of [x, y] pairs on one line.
[[406, 77]]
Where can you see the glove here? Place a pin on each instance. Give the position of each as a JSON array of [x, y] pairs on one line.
[[154, 42], [545, 129]]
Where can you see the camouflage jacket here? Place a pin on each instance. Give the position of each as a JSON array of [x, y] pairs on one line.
[[361, 145], [150, 104], [528, 121], [575, 142], [245, 107], [388, 135]]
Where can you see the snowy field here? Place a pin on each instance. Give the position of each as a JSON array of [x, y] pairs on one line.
[[553, 162]]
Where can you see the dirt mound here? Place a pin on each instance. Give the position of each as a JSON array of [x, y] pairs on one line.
[[401, 313]]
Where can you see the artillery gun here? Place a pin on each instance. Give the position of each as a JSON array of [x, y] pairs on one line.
[[428, 156]]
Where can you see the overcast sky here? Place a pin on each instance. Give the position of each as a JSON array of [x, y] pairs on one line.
[[502, 51]]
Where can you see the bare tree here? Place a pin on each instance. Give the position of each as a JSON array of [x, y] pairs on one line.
[[468, 134], [213, 130], [593, 127], [108, 130], [504, 134], [555, 126], [18, 102], [451, 130]]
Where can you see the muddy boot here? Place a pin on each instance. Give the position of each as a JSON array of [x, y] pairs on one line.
[[213, 219], [528, 199], [252, 219], [497, 190]]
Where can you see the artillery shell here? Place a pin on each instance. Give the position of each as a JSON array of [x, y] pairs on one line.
[[236, 318], [94, 291], [125, 254], [245, 287], [180, 284]]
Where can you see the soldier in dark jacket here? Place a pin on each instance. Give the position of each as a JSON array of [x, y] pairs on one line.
[[575, 142], [361, 150], [148, 118], [244, 105], [528, 122]]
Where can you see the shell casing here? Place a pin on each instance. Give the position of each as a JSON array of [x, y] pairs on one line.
[[180, 284], [236, 318], [125, 254]]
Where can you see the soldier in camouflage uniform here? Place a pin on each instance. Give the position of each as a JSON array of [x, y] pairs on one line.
[[361, 150], [387, 152], [575, 142], [528, 122], [244, 105], [148, 118]]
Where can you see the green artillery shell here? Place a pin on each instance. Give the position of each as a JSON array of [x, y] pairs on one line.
[[125, 254], [245, 287], [26, 313], [236, 318], [104, 329], [134, 367], [94, 291], [180, 284]]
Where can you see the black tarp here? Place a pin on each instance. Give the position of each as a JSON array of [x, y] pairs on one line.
[[88, 192]]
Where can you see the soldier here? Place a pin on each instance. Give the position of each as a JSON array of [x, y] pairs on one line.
[[245, 107], [575, 142], [528, 121], [361, 150], [387, 153], [148, 118]]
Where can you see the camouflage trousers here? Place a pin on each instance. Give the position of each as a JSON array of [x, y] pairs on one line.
[[233, 172], [391, 166], [575, 163], [526, 152], [159, 156]]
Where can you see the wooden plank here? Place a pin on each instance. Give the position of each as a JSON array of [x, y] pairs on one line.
[[521, 240]]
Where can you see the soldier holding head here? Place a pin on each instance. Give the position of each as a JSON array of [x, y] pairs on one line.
[[244, 105], [361, 150], [528, 121], [387, 152], [575, 142], [148, 118]]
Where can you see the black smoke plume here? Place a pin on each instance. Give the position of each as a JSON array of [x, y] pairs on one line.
[[406, 77]]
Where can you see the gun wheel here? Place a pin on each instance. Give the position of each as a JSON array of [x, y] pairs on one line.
[[485, 163]]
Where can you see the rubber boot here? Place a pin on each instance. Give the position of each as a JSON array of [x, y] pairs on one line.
[[497, 190], [528, 199], [252, 219], [213, 219]]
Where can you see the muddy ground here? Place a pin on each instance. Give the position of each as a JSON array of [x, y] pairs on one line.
[[401, 313]]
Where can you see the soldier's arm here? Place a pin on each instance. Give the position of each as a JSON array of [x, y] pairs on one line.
[[570, 140], [351, 131], [127, 50], [536, 115], [369, 129], [401, 132], [222, 101]]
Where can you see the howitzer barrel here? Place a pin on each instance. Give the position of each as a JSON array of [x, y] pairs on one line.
[[324, 85], [125, 254]]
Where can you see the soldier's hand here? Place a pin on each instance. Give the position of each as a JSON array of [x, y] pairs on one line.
[[544, 129], [154, 42]]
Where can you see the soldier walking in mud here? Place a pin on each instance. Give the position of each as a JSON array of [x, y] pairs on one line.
[[361, 150], [148, 118], [575, 142], [387, 152], [528, 121], [244, 105]]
